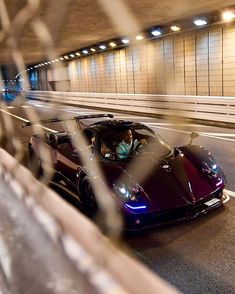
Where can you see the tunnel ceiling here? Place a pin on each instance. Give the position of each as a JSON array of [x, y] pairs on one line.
[[79, 23]]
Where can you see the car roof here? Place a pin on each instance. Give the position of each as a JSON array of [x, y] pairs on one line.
[[115, 124]]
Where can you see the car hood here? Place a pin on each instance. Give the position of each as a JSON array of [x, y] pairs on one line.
[[185, 178]]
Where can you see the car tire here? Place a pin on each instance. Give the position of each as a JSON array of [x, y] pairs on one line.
[[34, 164], [87, 197]]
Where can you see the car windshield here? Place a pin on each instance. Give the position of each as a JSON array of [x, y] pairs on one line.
[[126, 143]]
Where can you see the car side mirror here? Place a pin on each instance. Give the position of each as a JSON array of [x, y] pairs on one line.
[[193, 136]]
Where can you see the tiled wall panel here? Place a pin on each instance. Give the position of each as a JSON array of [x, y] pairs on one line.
[[169, 65], [200, 62], [160, 67], [229, 60], [179, 65], [130, 75], [215, 62], [190, 64], [151, 69]]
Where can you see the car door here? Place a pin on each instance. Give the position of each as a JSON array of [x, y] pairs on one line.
[[69, 159]]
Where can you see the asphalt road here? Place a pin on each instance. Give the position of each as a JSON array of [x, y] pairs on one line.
[[197, 256]]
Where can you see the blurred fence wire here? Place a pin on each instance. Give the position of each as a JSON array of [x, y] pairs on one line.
[[21, 211]]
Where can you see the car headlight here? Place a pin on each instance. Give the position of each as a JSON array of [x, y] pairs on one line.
[[126, 191], [122, 190]]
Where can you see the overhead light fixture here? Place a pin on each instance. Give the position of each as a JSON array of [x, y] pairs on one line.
[[53, 61], [139, 37], [228, 15], [93, 49], [102, 47], [125, 41], [61, 58], [78, 54], [66, 57], [156, 33], [57, 59], [200, 22], [72, 55], [112, 44], [85, 51], [175, 28], [50, 62]]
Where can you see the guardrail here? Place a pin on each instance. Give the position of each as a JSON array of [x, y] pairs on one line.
[[211, 108], [46, 246]]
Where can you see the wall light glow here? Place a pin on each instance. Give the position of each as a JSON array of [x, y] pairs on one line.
[[102, 47], [156, 33], [112, 44], [200, 22], [228, 15], [175, 28], [139, 37], [125, 41]]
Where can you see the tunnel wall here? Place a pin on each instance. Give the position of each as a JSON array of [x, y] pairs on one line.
[[198, 62]]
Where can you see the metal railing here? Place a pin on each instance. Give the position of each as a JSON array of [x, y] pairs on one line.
[[211, 108]]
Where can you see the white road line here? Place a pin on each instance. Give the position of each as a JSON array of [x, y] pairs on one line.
[[175, 124], [230, 193], [219, 134], [25, 120], [187, 132]]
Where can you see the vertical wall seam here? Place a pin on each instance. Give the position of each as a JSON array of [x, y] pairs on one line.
[[195, 48], [222, 61], [173, 56], [184, 65], [208, 61], [133, 71]]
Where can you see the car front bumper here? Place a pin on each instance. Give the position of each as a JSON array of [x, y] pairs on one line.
[[153, 219]]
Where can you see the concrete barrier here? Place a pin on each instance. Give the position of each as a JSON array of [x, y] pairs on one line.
[[208, 108], [46, 246]]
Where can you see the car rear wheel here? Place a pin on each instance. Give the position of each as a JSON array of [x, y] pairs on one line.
[[34, 164], [88, 198]]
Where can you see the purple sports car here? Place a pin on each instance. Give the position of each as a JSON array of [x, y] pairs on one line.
[[151, 182]]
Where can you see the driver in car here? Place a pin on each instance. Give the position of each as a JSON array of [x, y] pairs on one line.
[[127, 145]]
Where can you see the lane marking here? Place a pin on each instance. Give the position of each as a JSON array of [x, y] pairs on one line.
[[219, 134], [187, 132], [230, 193], [25, 120]]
